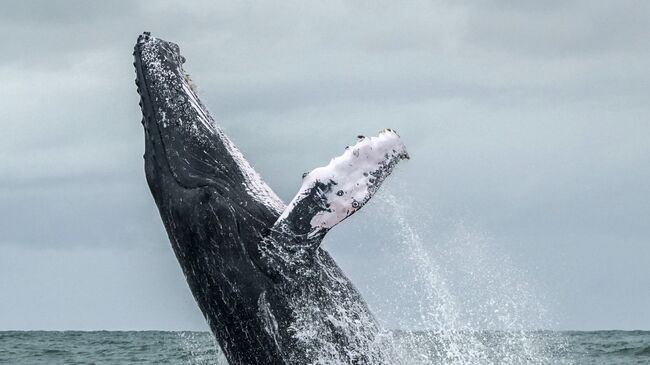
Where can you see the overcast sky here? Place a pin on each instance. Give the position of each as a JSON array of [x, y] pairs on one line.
[[528, 124]]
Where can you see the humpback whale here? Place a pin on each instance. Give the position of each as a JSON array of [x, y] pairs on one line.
[[267, 289]]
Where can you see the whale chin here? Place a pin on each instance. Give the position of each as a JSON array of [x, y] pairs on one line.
[[269, 292]]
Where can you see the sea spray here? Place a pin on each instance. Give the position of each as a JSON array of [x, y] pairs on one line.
[[473, 305], [200, 348]]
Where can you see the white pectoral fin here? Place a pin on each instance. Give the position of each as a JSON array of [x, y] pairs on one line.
[[327, 196], [331, 193]]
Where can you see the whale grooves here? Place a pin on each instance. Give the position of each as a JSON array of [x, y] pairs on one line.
[[269, 293]]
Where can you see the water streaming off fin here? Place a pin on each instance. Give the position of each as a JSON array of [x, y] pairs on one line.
[[472, 305]]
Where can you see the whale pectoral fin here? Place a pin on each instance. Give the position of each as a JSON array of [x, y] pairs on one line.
[[331, 193], [328, 195]]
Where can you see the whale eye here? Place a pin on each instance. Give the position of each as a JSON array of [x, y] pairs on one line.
[[355, 204], [339, 193]]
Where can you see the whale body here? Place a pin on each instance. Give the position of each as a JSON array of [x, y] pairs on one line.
[[269, 293]]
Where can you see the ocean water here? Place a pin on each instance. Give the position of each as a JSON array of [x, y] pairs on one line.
[[194, 348]]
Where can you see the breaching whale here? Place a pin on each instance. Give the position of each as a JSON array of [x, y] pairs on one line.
[[269, 292]]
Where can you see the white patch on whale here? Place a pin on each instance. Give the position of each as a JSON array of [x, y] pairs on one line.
[[355, 175]]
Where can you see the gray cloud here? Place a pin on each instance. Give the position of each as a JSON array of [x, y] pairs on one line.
[[560, 29]]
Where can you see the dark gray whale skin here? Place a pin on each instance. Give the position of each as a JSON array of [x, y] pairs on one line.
[[269, 295]]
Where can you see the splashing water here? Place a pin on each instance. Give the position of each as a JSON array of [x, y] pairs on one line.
[[200, 348], [473, 305]]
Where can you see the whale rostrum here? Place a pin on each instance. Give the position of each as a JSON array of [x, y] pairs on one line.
[[269, 292]]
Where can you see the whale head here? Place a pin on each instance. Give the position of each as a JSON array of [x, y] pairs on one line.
[[185, 148]]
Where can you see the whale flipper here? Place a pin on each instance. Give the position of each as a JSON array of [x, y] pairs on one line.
[[328, 195]]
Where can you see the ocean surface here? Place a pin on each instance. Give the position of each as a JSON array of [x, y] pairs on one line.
[[157, 347]]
